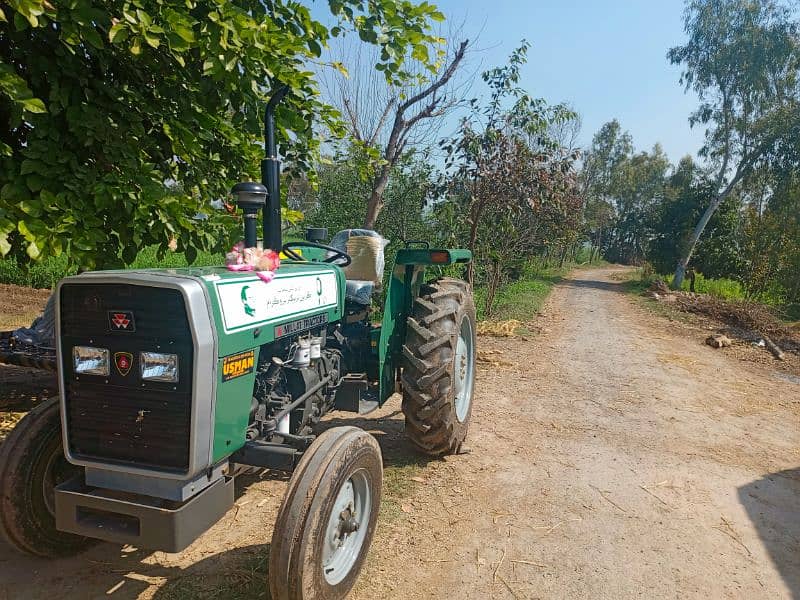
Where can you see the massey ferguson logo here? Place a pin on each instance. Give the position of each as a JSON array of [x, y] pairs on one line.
[[121, 320]]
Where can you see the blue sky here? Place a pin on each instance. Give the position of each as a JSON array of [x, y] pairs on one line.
[[607, 59]]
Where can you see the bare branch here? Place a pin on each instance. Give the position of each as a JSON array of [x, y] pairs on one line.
[[381, 122], [443, 79]]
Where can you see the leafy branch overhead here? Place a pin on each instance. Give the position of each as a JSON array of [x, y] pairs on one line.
[[121, 121]]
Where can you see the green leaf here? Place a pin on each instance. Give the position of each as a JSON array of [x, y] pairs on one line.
[[29, 166], [23, 229], [33, 105], [152, 40], [191, 254], [5, 247], [420, 53], [129, 254], [30, 208], [90, 35], [118, 33], [184, 32]]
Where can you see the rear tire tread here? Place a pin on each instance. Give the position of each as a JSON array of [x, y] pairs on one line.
[[428, 355]]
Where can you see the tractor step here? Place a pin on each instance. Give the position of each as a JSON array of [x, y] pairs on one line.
[[355, 396]]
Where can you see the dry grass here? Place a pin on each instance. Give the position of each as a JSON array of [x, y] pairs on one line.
[[499, 328], [8, 421], [19, 306], [747, 315]]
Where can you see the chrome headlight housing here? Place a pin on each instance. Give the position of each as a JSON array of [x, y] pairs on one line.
[[156, 366], [87, 360]]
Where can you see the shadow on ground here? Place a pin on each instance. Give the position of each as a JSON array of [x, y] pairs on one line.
[[608, 286], [107, 570], [773, 505]]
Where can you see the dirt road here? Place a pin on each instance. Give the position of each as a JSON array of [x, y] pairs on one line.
[[614, 459], [611, 456]]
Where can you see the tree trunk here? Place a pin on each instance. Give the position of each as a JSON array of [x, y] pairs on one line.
[[683, 262], [475, 214], [375, 202], [491, 288], [563, 259]]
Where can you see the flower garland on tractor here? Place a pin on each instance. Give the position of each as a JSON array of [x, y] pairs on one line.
[[263, 262]]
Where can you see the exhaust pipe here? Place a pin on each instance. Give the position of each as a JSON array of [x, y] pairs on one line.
[[270, 175]]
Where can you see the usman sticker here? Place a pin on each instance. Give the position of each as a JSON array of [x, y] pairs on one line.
[[237, 365]]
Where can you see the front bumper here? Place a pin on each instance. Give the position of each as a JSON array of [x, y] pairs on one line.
[[142, 521]]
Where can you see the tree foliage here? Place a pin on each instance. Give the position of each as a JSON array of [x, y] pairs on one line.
[[742, 58], [121, 120], [753, 236], [510, 188]]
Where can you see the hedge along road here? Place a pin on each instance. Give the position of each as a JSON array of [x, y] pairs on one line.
[[610, 457]]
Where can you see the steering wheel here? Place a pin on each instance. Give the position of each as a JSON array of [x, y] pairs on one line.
[[343, 258]]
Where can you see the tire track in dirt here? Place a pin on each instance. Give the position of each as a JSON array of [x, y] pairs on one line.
[[616, 459]]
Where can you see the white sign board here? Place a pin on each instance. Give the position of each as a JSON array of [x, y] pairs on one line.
[[250, 302]]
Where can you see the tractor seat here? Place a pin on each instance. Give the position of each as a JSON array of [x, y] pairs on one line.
[[359, 292], [365, 248]]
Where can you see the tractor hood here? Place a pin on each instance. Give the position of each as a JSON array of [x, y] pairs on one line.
[[215, 322]]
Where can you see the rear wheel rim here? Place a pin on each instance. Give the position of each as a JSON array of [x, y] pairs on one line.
[[347, 527], [464, 370]]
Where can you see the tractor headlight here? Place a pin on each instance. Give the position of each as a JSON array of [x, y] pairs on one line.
[[90, 361], [159, 367]]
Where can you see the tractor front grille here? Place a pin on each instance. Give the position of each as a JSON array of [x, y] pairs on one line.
[[121, 418], [124, 425]]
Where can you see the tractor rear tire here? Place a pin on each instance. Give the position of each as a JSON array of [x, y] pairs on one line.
[[327, 519], [32, 463], [439, 367]]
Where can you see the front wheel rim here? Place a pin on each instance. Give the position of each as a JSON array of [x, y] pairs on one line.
[[347, 527], [464, 370], [56, 471]]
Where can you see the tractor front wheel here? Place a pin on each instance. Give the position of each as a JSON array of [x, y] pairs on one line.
[[439, 367], [32, 463], [327, 519]]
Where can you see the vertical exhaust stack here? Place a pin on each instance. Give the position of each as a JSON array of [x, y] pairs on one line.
[[270, 175]]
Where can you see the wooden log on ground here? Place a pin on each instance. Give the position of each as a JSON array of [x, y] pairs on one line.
[[773, 347]]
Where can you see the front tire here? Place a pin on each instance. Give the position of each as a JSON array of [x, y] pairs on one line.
[[327, 519], [439, 367], [32, 463]]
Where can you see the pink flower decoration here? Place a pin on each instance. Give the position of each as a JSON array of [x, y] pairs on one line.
[[266, 276]]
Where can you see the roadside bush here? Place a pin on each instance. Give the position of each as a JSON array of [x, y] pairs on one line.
[[728, 289]]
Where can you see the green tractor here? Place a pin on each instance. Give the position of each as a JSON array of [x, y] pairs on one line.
[[174, 381]]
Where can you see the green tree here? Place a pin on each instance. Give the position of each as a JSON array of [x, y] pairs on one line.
[[497, 159], [637, 188], [610, 148], [121, 120], [742, 59], [340, 200]]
